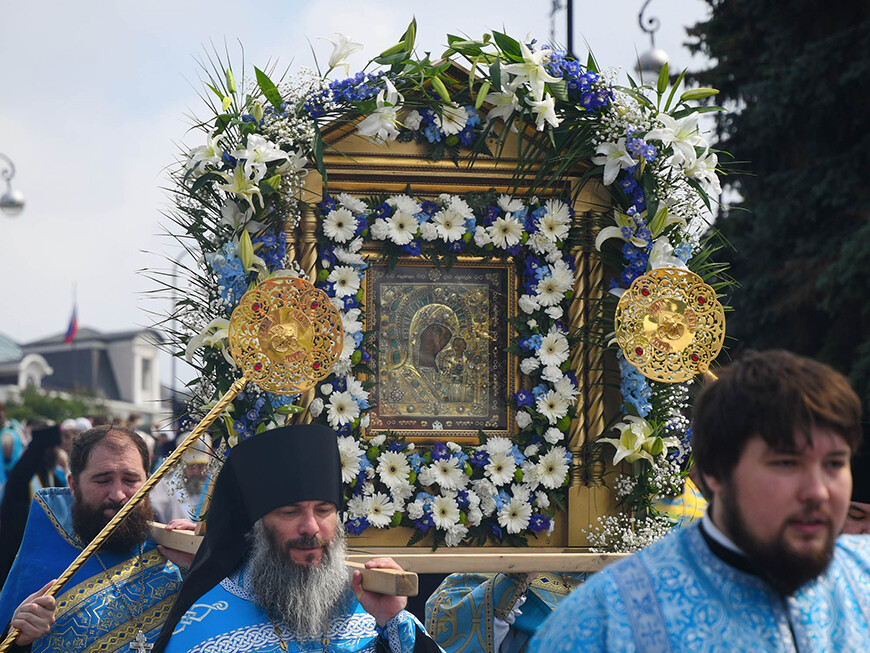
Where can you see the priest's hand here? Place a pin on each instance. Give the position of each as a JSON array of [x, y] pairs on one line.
[[181, 558], [34, 617], [380, 606]]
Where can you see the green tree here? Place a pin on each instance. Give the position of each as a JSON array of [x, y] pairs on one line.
[[795, 77], [36, 404]]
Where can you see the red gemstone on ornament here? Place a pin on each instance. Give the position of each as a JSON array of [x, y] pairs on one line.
[[314, 305], [315, 365], [258, 367], [638, 351], [702, 300], [695, 358], [644, 292], [256, 306]]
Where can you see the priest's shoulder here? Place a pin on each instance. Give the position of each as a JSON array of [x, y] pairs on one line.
[[56, 503], [856, 547]]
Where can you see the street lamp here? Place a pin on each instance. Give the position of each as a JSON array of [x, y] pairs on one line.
[[653, 60], [12, 202]]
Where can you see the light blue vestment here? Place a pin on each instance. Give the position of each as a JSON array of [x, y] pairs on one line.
[[92, 613], [460, 613], [677, 595], [226, 619]]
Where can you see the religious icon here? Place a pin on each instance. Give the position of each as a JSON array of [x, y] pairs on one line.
[[440, 356]]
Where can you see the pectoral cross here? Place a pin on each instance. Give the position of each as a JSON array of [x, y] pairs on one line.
[[140, 644]]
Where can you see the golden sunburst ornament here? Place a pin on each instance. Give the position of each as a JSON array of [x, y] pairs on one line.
[[670, 325], [286, 335]]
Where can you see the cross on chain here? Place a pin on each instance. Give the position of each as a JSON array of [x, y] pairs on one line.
[[140, 644]]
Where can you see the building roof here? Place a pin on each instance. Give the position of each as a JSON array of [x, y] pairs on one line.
[[9, 350], [87, 334]]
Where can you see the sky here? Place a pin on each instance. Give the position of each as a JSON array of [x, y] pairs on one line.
[[94, 105]]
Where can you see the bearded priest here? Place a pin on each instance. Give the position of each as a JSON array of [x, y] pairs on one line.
[[270, 574]]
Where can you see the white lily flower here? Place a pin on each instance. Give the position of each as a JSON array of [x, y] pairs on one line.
[[342, 48], [546, 112], [622, 220], [614, 157], [380, 125], [240, 185], [681, 135], [204, 155], [503, 106], [216, 334], [258, 153], [235, 218], [703, 169], [532, 71], [634, 440], [662, 255]]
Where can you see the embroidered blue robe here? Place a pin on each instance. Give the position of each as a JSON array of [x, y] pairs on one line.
[[460, 613], [677, 595], [226, 619], [91, 613]]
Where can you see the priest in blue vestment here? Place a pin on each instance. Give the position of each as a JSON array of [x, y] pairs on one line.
[[270, 574], [765, 569], [125, 589]]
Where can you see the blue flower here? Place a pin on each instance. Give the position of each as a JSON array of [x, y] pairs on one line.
[[433, 133], [440, 451], [523, 398], [327, 204], [538, 523], [416, 461], [540, 389], [413, 248], [424, 523], [357, 526], [496, 530], [479, 458]]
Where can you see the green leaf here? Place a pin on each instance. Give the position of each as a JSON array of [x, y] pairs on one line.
[[559, 90], [216, 92], [674, 89], [509, 46], [317, 152], [495, 74], [662, 84], [203, 181], [270, 91]]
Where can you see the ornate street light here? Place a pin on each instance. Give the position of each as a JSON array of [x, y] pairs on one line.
[[653, 60], [12, 202]]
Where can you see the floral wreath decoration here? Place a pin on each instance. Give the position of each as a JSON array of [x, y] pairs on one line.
[[236, 197]]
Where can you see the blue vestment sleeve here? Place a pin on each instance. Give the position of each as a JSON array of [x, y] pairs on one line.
[[404, 634]]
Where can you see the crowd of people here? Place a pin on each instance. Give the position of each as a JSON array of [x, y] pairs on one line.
[[779, 561]]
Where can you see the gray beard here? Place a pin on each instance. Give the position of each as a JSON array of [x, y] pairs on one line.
[[304, 599]]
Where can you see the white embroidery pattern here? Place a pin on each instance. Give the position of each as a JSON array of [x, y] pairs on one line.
[[198, 612]]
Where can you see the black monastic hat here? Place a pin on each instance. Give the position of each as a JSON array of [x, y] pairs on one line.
[[273, 469]]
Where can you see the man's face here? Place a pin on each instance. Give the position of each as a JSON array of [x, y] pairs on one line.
[[110, 478], [785, 508], [858, 519], [302, 530]]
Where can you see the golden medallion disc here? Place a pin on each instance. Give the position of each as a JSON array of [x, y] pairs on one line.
[[670, 325], [286, 335]]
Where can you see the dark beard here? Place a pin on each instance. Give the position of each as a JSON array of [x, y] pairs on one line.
[[303, 598], [785, 570], [132, 531]]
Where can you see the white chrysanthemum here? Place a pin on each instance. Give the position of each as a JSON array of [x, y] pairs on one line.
[[531, 450], [348, 256], [356, 507], [342, 409], [553, 349], [452, 119], [521, 491], [352, 203], [552, 227], [498, 445], [449, 225], [445, 512], [551, 373], [378, 440], [428, 231], [486, 492], [523, 419], [515, 515], [459, 205], [404, 204], [475, 516], [349, 451], [529, 365], [559, 210], [393, 469], [553, 406], [401, 227], [555, 312], [350, 321], [541, 245], [380, 229], [481, 237], [455, 534], [416, 509], [316, 407], [566, 388], [508, 204], [446, 472], [542, 499], [553, 435], [500, 468], [553, 467], [378, 509], [340, 225], [528, 304], [505, 232], [346, 280], [355, 388], [412, 120]]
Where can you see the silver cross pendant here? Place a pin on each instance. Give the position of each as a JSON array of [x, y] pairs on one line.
[[140, 644]]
